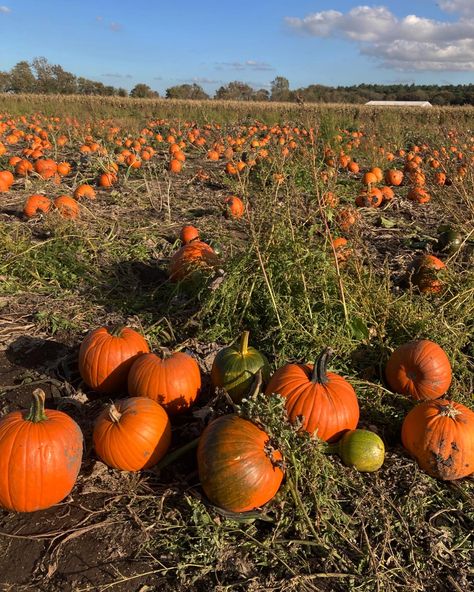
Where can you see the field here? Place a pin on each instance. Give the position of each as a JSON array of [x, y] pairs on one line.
[[282, 276]]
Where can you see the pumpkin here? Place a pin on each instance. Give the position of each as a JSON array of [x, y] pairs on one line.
[[191, 257], [449, 241], [418, 194], [346, 217], [84, 190], [361, 449], [105, 358], [369, 178], [233, 207], [394, 177], [40, 457], [175, 165], [440, 436], [419, 369], [377, 172], [174, 381], [238, 467], [423, 273], [235, 367], [23, 168], [369, 199], [188, 234], [387, 193], [46, 168], [342, 250], [67, 206], [106, 179], [35, 204], [7, 178], [353, 167], [132, 434], [323, 402]]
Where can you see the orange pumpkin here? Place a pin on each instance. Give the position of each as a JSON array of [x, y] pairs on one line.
[[84, 190], [6, 178], [418, 194], [238, 467], [174, 382], [188, 234], [23, 168], [40, 457], [440, 436], [175, 165], [105, 358], [132, 434], [191, 257], [419, 369], [394, 177], [325, 403], [233, 207], [423, 274], [67, 207], [46, 168], [35, 204], [369, 178], [106, 180], [369, 199], [64, 168]]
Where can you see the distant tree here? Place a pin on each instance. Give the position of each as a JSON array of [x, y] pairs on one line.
[[186, 91], [280, 89], [85, 86], [121, 92], [4, 81], [143, 91], [45, 77], [235, 91], [261, 94], [22, 79], [64, 82], [445, 97]]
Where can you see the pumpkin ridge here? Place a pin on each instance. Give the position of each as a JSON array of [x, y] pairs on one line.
[[97, 352]]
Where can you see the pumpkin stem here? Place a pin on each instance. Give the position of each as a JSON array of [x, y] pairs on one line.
[[116, 330], [449, 411], [37, 413], [178, 453], [330, 448], [114, 413], [244, 343], [319, 374]]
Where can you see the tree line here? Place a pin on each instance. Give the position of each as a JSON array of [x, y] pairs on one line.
[[41, 77]]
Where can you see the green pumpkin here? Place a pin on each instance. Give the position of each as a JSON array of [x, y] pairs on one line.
[[361, 449], [235, 367], [449, 241]]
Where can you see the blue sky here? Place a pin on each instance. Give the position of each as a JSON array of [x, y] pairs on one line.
[[334, 42]]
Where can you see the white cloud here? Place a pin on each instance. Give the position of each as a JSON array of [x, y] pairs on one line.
[[204, 80], [5, 9], [254, 65], [461, 6], [116, 75], [410, 43]]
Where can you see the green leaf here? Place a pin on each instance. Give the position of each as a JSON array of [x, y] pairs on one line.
[[386, 223], [358, 328]]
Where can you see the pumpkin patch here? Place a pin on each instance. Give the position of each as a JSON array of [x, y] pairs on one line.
[[168, 276]]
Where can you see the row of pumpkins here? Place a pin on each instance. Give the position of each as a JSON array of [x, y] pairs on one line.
[[239, 468]]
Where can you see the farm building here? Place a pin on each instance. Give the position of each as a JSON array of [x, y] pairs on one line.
[[399, 104]]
